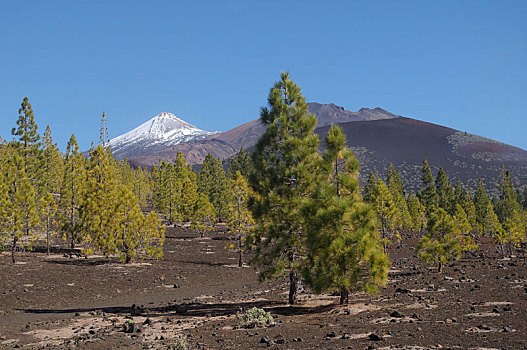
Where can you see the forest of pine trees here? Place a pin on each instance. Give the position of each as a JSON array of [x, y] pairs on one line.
[[296, 213]]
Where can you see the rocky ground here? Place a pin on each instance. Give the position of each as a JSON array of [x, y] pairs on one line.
[[190, 298]]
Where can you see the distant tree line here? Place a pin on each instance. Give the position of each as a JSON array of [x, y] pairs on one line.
[[93, 202]]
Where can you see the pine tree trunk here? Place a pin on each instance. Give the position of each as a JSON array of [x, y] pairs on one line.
[[440, 267], [344, 296], [293, 287], [13, 248]]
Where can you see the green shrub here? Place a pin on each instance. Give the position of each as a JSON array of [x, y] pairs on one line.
[[254, 317], [180, 344]]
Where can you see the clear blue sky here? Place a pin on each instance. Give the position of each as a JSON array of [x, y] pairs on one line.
[[457, 63]]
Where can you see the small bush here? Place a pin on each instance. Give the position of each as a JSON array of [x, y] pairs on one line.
[[180, 344], [254, 317]]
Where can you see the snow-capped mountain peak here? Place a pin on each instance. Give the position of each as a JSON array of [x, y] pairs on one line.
[[161, 131]]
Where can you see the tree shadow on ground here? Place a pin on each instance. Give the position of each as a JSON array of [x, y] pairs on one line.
[[82, 262], [208, 263], [197, 309]]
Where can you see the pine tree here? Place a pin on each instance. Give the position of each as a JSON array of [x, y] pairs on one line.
[[239, 220], [282, 160], [186, 188], [369, 188], [48, 218], [387, 213], [213, 183], [510, 214], [445, 192], [28, 140], [19, 206], [417, 213], [428, 195], [344, 251], [395, 186], [241, 162], [53, 165], [72, 190], [204, 215], [440, 245], [465, 230], [97, 213], [482, 204], [135, 234]]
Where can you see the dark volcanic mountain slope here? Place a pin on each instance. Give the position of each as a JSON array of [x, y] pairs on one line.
[[406, 142]]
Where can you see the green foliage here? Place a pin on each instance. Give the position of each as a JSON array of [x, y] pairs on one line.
[[283, 162], [344, 251], [239, 219], [213, 183], [369, 188], [440, 244], [428, 195], [510, 215], [18, 200], [387, 212], [254, 317], [52, 165], [482, 204], [71, 192], [204, 215], [445, 192], [465, 229], [241, 162], [417, 213], [48, 218], [395, 186]]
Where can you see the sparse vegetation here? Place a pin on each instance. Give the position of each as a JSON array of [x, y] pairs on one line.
[[254, 317]]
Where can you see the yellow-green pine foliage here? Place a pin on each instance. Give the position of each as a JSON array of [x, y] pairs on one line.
[[463, 199], [204, 215], [395, 185], [48, 218], [186, 188], [137, 181], [20, 214], [28, 143], [239, 219], [440, 244], [465, 230], [71, 192], [283, 162], [344, 250], [97, 208], [387, 213], [53, 165], [490, 224], [482, 204], [134, 235], [417, 212], [510, 214]]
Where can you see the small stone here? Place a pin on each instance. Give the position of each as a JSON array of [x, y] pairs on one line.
[[448, 320], [176, 286], [331, 335], [396, 314], [375, 337], [507, 329]]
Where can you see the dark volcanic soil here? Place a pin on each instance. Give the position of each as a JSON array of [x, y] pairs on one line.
[[192, 295]]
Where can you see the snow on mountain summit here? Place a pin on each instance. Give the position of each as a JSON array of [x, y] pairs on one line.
[[161, 131]]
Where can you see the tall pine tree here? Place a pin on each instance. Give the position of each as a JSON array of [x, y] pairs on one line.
[[283, 159]]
